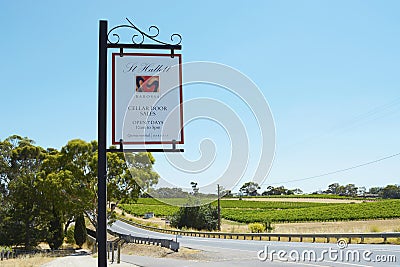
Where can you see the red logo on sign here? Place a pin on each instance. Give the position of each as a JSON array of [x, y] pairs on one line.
[[148, 84]]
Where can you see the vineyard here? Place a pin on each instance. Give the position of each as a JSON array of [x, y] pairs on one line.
[[255, 205], [320, 196], [330, 212], [260, 211], [161, 210]]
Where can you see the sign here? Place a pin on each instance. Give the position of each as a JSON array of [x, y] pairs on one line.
[[147, 98]]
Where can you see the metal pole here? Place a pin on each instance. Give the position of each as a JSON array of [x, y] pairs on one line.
[[119, 253], [102, 148], [219, 210], [112, 252]]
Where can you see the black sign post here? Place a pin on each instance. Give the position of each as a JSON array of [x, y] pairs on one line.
[[104, 44], [102, 149]]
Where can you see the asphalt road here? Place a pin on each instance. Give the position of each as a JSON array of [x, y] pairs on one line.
[[227, 252]]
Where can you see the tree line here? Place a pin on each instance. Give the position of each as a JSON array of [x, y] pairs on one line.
[[349, 190], [43, 191]]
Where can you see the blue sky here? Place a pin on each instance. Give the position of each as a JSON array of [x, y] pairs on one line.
[[328, 69]]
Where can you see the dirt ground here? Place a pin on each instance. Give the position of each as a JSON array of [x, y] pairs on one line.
[[34, 261], [159, 252]]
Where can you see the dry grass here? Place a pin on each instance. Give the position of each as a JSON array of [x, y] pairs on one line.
[[33, 261], [370, 226], [339, 227], [159, 252], [234, 227]]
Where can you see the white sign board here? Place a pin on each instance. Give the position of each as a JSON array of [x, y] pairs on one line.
[[147, 98]]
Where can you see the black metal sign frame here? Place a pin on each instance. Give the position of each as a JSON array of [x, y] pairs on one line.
[[138, 39]]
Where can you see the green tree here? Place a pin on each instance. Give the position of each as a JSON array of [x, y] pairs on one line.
[[342, 190], [60, 184], [333, 189], [60, 191], [80, 233], [351, 190], [280, 190], [297, 191], [78, 178], [121, 186], [21, 164], [125, 178], [55, 235], [391, 191], [140, 166], [196, 217], [375, 190], [250, 189]]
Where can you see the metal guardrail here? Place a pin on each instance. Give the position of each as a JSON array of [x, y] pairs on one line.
[[91, 233], [115, 245], [268, 236], [112, 246], [5, 255], [165, 243]]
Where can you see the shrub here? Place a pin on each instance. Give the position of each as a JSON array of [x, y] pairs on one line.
[[256, 227], [69, 235], [268, 226], [198, 217], [375, 229], [5, 249]]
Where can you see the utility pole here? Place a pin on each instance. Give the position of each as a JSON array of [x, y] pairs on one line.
[[219, 209]]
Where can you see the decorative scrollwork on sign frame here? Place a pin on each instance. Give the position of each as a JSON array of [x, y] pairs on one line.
[[140, 36]]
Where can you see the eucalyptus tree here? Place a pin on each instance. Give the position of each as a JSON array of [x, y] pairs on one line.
[[25, 218], [42, 190]]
